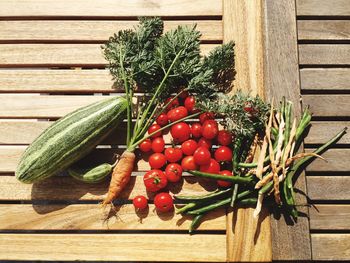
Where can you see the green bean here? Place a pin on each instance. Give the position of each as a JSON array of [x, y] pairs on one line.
[[195, 222], [185, 208], [206, 197], [234, 179]]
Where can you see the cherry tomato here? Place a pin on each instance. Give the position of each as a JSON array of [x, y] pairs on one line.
[[224, 137], [157, 160], [189, 103], [173, 172], [173, 155], [175, 103], [206, 116], [188, 163], [250, 110], [188, 147], [154, 180], [180, 131], [153, 128], [205, 143], [223, 154], [184, 94], [162, 119], [146, 145], [196, 130], [140, 202], [210, 129], [158, 145], [163, 202], [177, 113], [212, 167], [223, 183], [202, 156]]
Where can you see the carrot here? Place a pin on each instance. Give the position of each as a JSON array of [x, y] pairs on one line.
[[120, 176]]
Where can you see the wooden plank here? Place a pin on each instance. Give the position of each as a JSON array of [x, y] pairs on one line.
[[328, 106], [91, 30], [118, 247], [59, 54], [321, 132], [323, 8], [109, 8], [330, 246], [337, 161], [323, 30], [330, 188], [324, 54], [281, 69], [330, 217], [325, 78], [92, 217]]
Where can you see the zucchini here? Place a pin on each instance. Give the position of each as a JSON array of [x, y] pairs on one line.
[[69, 139], [90, 175]]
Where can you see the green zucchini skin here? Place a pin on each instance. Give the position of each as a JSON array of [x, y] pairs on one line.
[[90, 175], [70, 139]]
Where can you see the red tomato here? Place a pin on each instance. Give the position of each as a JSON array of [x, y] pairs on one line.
[[173, 155], [212, 167], [188, 163], [154, 180], [204, 142], [163, 202], [206, 116], [180, 131], [153, 128], [173, 172], [188, 147], [140, 202], [224, 137], [196, 130], [177, 113], [223, 183], [210, 129], [158, 145], [175, 103], [189, 103], [223, 154], [184, 94], [157, 160], [202, 156], [162, 119], [146, 145]]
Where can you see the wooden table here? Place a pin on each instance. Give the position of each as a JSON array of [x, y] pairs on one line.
[[51, 63]]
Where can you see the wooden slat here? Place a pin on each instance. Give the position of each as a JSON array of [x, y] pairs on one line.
[[337, 160], [328, 105], [321, 132], [92, 217], [330, 246], [313, 54], [330, 217], [323, 30], [58, 54], [325, 78], [119, 247], [323, 8], [91, 30], [328, 187], [109, 8]]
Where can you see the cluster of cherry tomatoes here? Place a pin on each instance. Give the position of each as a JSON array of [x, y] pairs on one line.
[[191, 150]]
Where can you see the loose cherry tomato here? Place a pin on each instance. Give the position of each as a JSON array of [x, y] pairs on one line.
[[223, 183], [250, 110], [146, 145], [188, 163], [206, 116], [212, 167], [173, 172], [158, 145], [180, 131], [223, 154], [202, 156], [196, 130], [154, 180], [205, 143], [184, 94], [162, 119], [163, 202], [157, 160], [153, 128], [175, 103], [189, 103], [140, 202], [177, 113], [188, 147], [173, 155], [224, 137], [210, 129]]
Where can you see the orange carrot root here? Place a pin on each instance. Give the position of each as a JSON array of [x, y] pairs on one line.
[[120, 176]]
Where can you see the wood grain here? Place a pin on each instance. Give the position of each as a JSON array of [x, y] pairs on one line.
[[331, 246], [323, 8], [323, 30], [109, 8], [330, 188], [325, 79], [328, 106], [118, 247], [337, 160], [321, 132], [325, 54], [330, 217]]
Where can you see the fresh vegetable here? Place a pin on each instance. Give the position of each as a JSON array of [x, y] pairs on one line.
[[188, 147], [154, 180], [158, 145], [222, 183], [190, 103], [177, 113], [212, 167], [140, 202], [210, 129], [206, 116], [92, 174], [203, 142], [173, 172], [157, 160], [153, 130], [196, 130], [180, 132], [224, 137], [173, 155], [163, 202], [202, 156], [172, 103], [223, 154], [188, 163], [146, 146], [162, 119]]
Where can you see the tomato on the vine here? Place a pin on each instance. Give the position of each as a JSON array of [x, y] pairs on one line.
[[173, 172], [196, 130], [206, 116], [223, 183], [205, 143], [223, 154], [180, 131], [157, 160], [202, 156], [146, 145], [188, 147], [158, 145], [153, 128], [177, 113], [162, 119], [212, 167], [163, 202], [224, 137], [175, 103], [190, 103], [140, 202], [188, 163], [154, 180], [210, 129], [173, 155]]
